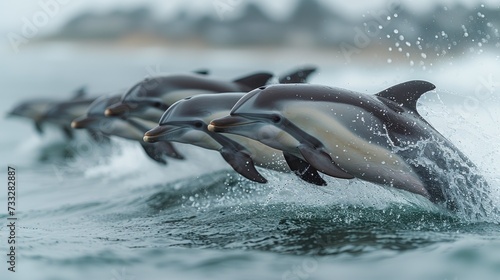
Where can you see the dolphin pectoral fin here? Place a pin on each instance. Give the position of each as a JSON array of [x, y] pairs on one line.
[[98, 137], [406, 94], [67, 132], [255, 80], [243, 164], [169, 150], [154, 152], [38, 127], [304, 170], [322, 162]]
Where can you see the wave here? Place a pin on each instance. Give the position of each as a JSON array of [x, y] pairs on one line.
[[205, 181]]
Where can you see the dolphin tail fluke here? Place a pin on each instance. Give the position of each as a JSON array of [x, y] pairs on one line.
[[323, 162], [154, 152], [254, 81], [304, 170], [243, 164], [298, 76]]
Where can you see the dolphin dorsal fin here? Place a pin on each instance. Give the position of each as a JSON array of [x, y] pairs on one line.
[[255, 80], [406, 94], [202, 71], [80, 93], [298, 76]]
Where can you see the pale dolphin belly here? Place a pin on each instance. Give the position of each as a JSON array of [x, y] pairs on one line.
[[346, 142], [261, 154]]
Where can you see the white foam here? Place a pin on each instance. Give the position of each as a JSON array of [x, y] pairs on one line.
[[129, 162]]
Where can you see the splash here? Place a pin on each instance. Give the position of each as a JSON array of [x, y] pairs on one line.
[[466, 191]]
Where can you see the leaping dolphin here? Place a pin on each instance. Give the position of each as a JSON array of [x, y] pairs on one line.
[[379, 138], [131, 128], [62, 113], [36, 109]]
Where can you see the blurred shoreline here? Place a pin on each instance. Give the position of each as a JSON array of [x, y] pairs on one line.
[[375, 54], [392, 33]]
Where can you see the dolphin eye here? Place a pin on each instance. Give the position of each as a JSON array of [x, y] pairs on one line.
[[198, 124], [276, 119]]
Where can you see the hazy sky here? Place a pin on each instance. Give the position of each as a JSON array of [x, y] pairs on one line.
[[13, 11]]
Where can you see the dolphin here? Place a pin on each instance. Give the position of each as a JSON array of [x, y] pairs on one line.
[[131, 128], [149, 98], [187, 120], [241, 153], [62, 113], [379, 138], [36, 109]]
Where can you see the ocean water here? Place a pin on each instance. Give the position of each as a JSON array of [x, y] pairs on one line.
[[91, 212]]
